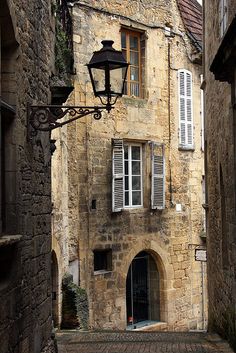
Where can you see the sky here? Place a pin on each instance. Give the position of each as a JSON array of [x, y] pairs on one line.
[[200, 1]]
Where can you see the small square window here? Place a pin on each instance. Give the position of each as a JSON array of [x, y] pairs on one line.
[[102, 260]]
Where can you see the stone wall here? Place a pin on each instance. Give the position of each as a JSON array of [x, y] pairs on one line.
[[27, 40], [170, 236], [220, 162]]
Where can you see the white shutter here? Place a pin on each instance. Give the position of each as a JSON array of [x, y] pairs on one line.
[[117, 175], [185, 108], [223, 16], [158, 177]]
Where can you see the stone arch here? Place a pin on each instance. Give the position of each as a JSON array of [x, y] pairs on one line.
[[165, 269]]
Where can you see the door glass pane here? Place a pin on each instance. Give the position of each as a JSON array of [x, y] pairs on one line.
[[136, 198]]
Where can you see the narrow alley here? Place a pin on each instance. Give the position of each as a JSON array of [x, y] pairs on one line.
[[140, 342]]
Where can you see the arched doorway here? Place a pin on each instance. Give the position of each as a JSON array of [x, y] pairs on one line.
[[142, 291], [55, 290]]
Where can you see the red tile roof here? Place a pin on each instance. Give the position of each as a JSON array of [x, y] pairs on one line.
[[191, 13]]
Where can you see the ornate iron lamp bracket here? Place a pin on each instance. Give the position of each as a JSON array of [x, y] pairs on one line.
[[47, 117]]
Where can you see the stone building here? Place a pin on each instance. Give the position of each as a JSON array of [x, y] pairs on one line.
[[26, 65], [220, 65], [130, 216]]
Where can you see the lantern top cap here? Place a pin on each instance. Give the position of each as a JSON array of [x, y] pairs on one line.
[[107, 55], [107, 44]]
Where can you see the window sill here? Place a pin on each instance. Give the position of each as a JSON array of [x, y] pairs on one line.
[[136, 101], [186, 148], [133, 209], [6, 240], [101, 272]]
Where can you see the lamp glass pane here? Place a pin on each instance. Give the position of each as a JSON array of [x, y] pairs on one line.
[[99, 79], [116, 80]]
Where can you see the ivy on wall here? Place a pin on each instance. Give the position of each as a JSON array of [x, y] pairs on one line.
[[75, 310]]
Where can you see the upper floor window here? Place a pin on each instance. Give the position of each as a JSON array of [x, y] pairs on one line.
[[133, 48], [223, 16], [185, 109]]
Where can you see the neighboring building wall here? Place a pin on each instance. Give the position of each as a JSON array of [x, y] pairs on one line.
[[169, 236], [27, 59], [220, 163]]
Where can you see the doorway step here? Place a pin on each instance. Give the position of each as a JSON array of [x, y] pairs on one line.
[[148, 325]]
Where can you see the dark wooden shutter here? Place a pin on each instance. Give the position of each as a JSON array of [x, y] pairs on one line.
[[117, 176]]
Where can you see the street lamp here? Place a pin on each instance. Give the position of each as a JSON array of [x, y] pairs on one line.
[[107, 70]]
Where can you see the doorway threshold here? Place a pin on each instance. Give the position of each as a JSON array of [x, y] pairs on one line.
[[147, 325]]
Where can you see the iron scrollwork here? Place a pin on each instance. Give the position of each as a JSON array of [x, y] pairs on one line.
[[46, 117]]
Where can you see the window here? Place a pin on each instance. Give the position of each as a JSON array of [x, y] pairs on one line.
[[102, 260], [133, 175], [133, 48], [185, 109], [223, 16], [127, 181]]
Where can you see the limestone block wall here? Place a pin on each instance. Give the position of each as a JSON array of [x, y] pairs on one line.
[[27, 30], [220, 161], [170, 236]]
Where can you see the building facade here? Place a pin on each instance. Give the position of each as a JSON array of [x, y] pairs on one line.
[[130, 217], [26, 65], [219, 71]]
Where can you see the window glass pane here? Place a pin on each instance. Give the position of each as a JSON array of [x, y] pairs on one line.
[[126, 152], [136, 153], [136, 168], [133, 42], [136, 183], [134, 89], [126, 198], [123, 40], [134, 74], [126, 168], [125, 88], [134, 58], [136, 198], [126, 183], [124, 52]]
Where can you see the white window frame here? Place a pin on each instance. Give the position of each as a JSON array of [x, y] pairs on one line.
[[130, 145], [184, 121], [223, 16]]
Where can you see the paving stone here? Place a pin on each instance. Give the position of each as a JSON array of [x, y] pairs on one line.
[[140, 342]]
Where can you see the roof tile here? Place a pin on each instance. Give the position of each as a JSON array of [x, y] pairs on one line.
[[191, 13]]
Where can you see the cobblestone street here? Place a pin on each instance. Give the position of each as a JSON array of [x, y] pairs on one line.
[[140, 342]]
